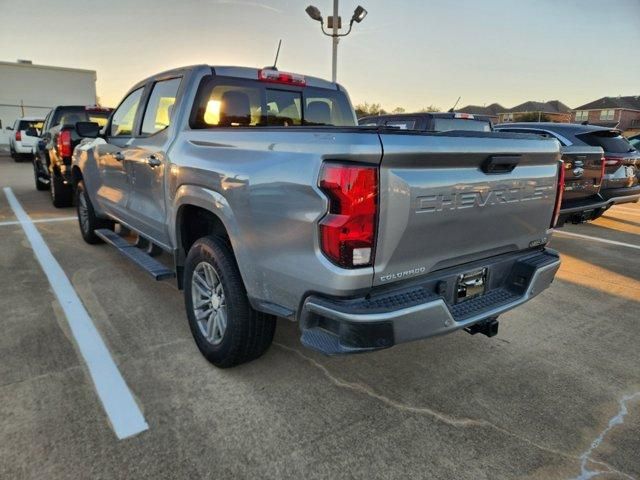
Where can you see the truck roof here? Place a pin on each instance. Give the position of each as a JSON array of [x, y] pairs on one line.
[[570, 128], [250, 73]]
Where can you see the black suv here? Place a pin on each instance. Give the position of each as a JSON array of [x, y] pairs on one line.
[[52, 161], [586, 197], [430, 121]]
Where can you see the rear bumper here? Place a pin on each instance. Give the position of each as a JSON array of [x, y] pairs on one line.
[[24, 149], [621, 195], [339, 326], [583, 210]]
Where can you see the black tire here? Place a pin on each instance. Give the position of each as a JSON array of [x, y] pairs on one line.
[[61, 193], [248, 333], [91, 223], [39, 184]]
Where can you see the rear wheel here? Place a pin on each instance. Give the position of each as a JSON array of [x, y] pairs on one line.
[[61, 193], [87, 219], [40, 185], [226, 329]]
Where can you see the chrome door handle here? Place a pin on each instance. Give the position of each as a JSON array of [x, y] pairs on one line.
[[153, 161], [119, 156]]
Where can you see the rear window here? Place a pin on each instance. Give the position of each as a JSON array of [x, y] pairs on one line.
[[29, 124], [610, 141], [445, 124], [227, 102], [401, 124], [80, 114]]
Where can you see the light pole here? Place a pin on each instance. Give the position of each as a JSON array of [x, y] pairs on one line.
[[335, 24]]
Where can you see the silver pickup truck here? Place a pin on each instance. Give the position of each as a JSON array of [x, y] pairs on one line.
[[274, 203]]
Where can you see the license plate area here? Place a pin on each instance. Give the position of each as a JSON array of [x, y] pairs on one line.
[[471, 284]]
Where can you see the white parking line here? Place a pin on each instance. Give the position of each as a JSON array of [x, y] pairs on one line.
[[596, 239], [40, 220], [117, 400]]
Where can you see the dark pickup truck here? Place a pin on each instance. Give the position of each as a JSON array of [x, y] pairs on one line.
[[430, 121], [601, 167], [52, 161]]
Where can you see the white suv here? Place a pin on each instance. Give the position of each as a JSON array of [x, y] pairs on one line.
[[24, 139]]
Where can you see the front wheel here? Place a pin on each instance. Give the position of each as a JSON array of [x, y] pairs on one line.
[[87, 219], [226, 329]]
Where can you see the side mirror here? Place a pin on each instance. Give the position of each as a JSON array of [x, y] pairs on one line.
[[88, 129], [10, 128]]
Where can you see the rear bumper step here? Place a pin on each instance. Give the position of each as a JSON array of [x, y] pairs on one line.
[[363, 324], [150, 265]]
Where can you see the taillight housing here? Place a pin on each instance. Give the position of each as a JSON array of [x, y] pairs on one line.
[[559, 194], [64, 143], [18, 136], [348, 230], [602, 169]]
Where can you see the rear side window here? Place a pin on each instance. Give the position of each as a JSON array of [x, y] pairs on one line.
[[446, 124], [157, 116], [227, 102], [610, 140], [124, 116]]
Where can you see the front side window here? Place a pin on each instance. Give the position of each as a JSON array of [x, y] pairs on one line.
[[157, 116], [124, 116], [226, 102]]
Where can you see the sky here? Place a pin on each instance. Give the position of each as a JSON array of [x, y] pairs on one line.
[[407, 53]]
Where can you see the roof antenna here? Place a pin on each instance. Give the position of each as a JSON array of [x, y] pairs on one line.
[[275, 62], [452, 109]]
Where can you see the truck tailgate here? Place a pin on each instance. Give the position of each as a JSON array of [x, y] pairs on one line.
[[449, 199]]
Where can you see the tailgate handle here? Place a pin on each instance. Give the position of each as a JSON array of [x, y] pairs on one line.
[[500, 163]]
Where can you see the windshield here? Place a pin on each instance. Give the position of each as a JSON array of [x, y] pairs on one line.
[[227, 102], [445, 124], [610, 140]]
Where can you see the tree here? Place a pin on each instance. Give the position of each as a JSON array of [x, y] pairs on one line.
[[398, 110], [531, 117], [430, 108], [365, 109]]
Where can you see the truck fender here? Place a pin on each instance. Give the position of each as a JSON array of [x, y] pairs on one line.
[[217, 204]]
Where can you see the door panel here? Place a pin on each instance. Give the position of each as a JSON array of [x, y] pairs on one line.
[[113, 157]]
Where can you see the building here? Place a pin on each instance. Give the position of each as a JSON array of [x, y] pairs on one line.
[[551, 111], [32, 90], [492, 111], [622, 113]]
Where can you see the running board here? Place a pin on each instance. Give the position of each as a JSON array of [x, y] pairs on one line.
[[154, 268]]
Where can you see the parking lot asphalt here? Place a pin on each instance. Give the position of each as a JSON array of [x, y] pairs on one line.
[[555, 395]]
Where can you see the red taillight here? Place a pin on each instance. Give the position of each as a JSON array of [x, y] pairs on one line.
[[559, 194], [18, 136], [274, 76], [348, 231], [64, 143], [612, 162]]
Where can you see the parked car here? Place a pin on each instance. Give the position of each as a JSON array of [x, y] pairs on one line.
[[621, 161], [430, 121], [272, 202], [52, 162], [635, 142], [24, 137]]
